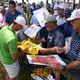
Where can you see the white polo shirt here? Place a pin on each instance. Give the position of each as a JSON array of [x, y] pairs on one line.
[[60, 20]]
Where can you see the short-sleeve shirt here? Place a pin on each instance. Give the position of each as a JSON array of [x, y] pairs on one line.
[[9, 17], [8, 45], [60, 20], [55, 38], [74, 52], [67, 29], [43, 33]]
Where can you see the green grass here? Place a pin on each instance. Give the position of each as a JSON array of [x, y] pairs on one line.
[[24, 74]]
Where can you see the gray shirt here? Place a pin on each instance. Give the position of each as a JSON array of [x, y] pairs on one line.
[[55, 38]]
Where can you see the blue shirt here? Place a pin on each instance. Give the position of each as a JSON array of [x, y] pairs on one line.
[[34, 20], [9, 17], [66, 29], [67, 13], [43, 33], [32, 9], [74, 52], [55, 38]]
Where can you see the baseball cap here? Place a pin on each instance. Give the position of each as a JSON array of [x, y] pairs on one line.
[[60, 6], [75, 15], [20, 20], [50, 18]]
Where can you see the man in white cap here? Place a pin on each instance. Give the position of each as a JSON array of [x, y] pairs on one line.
[[60, 18], [73, 54], [8, 48], [62, 22]]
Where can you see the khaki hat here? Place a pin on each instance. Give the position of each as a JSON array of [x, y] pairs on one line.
[[50, 18]]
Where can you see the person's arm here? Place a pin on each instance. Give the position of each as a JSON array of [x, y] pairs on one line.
[[48, 50], [59, 41], [74, 64], [60, 68], [12, 45], [38, 39], [15, 56]]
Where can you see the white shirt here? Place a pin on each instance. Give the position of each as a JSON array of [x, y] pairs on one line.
[[20, 9], [34, 20], [60, 20]]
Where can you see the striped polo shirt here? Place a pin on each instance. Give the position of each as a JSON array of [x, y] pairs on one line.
[[74, 52]]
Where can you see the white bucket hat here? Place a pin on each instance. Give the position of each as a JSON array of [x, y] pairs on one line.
[[20, 20], [75, 15]]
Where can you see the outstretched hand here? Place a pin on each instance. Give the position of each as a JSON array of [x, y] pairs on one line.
[[59, 50]]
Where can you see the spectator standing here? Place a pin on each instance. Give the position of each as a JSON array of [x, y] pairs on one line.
[[12, 13], [8, 48], [62, 23]]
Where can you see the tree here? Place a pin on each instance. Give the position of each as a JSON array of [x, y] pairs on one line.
[[46, 3], [1, 1], [79, 3], [73, 4]]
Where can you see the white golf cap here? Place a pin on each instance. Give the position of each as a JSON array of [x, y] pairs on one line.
[[75, 15], [50, 18], [60, 6], [63, 6], [20, 20]]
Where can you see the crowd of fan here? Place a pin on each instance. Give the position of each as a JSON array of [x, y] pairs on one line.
[[61, 34]]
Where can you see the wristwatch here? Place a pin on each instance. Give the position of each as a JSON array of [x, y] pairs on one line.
[[64, 68]]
